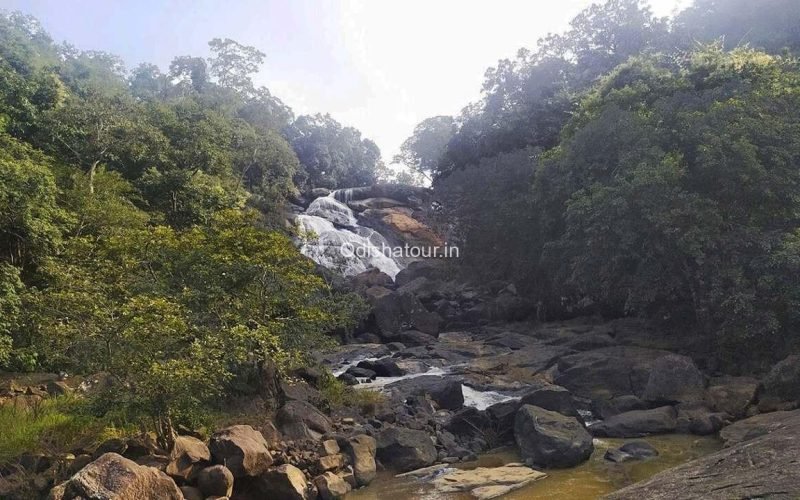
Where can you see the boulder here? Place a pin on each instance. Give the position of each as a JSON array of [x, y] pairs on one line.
[[192, 493], [758, 425], [319, 192], [698, 418], [361, 372], [399, 222], [329, 447], [608, 372], [637, 423], [485, 483], [780, 389], [607, 408], [330, 486], [369, 278], [550, 439], [141, 445], [384, 367], [507, 307], [431, 269], [732, 395], [502, 416], [362, 449], [634, 450], [285, 482], [57, 388], [674, 379], [113, 445], [331, 462], [415, 338], [188, 456], [241, 449], [553, 398], [445, 392], [395, 311], [403, 449], [762, 467], [469, 424], [215, 481], [301, 420], [113, 476]]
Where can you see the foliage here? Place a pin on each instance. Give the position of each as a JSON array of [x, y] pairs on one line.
[[625, 166], [129, 243], [55, 425], [338, 395], [332, 155]]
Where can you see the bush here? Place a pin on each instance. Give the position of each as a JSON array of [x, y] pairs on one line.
[[55, 425]]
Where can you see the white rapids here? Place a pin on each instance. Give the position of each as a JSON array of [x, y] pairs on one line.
[[481, 400], [332, 237]]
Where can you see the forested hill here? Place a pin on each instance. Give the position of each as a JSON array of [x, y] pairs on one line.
[[140, 220], [639, 166]]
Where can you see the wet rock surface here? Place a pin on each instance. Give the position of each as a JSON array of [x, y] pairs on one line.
[[757, 467]]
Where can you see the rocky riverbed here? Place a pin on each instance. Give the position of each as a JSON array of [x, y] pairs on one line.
[[484, 401]]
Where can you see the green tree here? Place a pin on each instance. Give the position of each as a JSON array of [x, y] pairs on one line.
[[424, 150], [234, 64]]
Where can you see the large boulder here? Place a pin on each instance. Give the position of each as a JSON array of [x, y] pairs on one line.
[[608, 372], [215, 481], [761, 467], [241, 449], [399, 223], [780, 389], [698, 418], [285, 482], [361, 449], [301, 420], [550, 439], [674, 379], [553, 398], [404, 449], [607, 408], [112, 476], [638, 423], [397, 311], [331, 487], [188, 456], [384, 367], [732, 395], [446, 392]]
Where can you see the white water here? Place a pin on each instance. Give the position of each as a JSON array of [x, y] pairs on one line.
[[483, 399], [333, 239], [381, 382]]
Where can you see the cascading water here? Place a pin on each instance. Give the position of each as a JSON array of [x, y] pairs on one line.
[[333, 238]]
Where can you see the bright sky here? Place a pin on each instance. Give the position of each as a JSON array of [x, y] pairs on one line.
[[381, 66]]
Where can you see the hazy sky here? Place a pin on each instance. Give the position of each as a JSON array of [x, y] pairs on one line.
[[381, 66]]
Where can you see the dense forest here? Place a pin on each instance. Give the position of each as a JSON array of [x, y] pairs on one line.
[[141, 224], [639, 166], [631, 166]]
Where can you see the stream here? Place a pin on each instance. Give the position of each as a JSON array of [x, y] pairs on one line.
[[590, 480]]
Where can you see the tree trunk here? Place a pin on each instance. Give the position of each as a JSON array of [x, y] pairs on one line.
[[92, 172]]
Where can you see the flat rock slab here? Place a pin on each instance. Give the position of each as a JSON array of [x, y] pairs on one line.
[[487, 482], [761, 467]]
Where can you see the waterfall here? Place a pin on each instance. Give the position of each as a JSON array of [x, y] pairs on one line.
[[333, 239]]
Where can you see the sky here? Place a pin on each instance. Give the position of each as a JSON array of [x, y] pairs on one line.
[[378, 65]]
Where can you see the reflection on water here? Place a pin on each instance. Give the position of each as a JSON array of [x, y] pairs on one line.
[[590, 480]]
